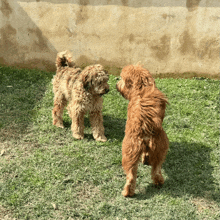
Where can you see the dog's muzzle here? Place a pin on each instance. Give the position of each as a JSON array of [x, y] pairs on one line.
[[106, 91], [117, 86]]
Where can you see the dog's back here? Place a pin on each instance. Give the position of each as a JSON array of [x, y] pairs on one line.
[[147, 112], [153, 106]]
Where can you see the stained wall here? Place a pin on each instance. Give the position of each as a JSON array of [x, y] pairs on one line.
[[174, 36]]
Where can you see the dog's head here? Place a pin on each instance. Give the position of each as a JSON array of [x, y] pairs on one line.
[[134, 79], [95, 79]]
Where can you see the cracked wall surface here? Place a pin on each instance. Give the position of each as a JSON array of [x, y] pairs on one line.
[[176, 36]]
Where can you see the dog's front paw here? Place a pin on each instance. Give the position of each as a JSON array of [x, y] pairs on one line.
[[102, 139], [78, 136], [58, 124]]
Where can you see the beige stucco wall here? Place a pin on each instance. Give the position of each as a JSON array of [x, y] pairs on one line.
[[174, 36]]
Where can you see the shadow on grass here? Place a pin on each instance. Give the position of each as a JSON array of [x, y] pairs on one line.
[[114, 127], [20, 90], [189, 170]]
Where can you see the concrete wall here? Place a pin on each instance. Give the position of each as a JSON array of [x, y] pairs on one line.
[[166, 36]]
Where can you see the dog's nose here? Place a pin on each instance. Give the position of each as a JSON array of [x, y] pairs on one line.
[[106, 90]]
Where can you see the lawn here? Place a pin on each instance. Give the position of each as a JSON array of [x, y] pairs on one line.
[[46, 174]]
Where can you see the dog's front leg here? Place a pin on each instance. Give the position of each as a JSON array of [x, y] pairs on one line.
[[77, 126], [145, 154], [96, 121], [77, 117]]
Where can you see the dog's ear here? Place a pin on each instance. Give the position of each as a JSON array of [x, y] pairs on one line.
[[143, 77], [148, 81], [87, 81], [86, 86]]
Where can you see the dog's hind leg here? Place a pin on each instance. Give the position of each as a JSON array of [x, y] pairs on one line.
[[130, 158], [157, 157], [156, 174], [57, 113], [131, 176]]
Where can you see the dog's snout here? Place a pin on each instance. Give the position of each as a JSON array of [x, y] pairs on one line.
[[118, 87]]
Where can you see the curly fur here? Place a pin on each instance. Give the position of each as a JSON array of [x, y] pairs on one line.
[[144, 134], [82, 91]]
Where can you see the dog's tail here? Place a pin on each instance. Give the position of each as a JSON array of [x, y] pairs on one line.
[[64, 59]]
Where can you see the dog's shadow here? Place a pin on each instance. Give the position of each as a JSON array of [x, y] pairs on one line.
[[187, 166], [189, 171], [114, 127]]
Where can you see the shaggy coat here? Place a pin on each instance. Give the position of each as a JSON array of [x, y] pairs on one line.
[[82, 91], [144, 134]]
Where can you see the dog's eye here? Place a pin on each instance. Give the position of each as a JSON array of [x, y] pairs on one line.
[[118, 78]]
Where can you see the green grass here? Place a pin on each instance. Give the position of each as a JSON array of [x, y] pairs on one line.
[[42, 167]]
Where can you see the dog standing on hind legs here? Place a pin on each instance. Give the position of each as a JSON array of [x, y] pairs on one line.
[[82, 90], [144, 134]]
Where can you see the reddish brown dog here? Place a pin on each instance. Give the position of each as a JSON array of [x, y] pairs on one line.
[[144, 134]]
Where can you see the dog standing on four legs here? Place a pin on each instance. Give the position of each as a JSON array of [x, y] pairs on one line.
[[82, 90], [144, 134]]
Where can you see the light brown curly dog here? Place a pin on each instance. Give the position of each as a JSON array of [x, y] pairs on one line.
[[144, 134], [82, 90]]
